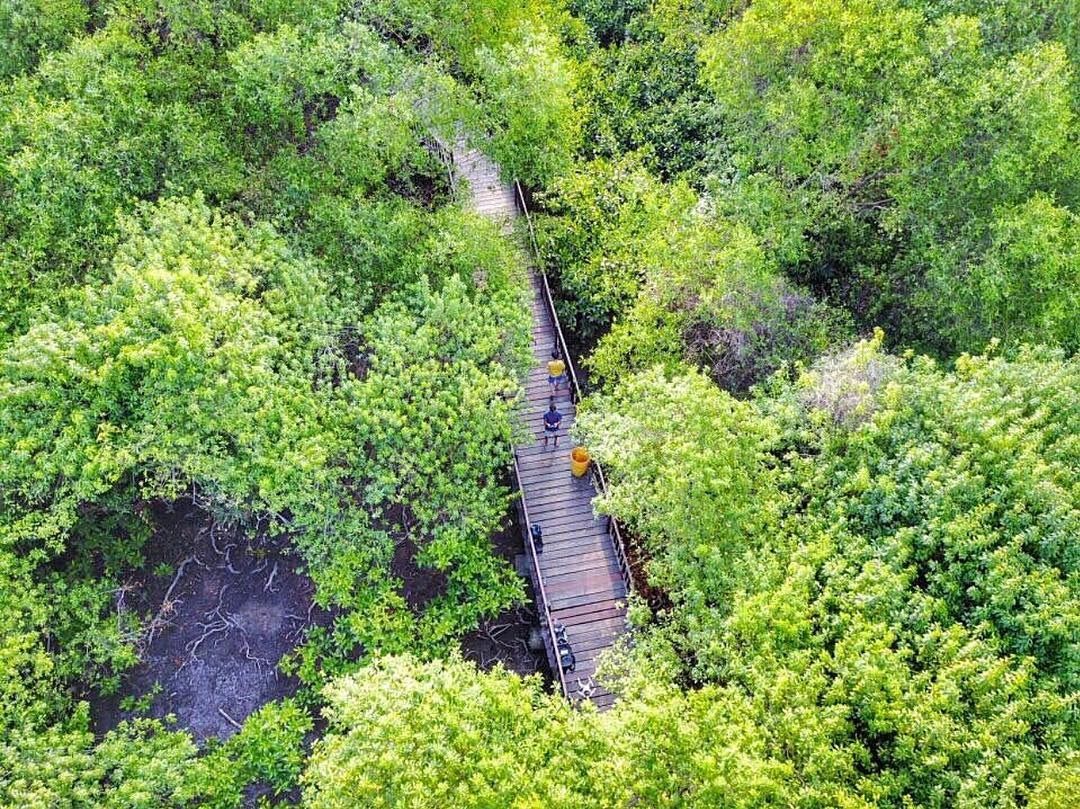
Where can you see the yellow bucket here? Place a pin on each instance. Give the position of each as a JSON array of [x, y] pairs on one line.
[[579, 461]]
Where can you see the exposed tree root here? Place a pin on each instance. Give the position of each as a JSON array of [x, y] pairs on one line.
[[269, 586], [168, 606]]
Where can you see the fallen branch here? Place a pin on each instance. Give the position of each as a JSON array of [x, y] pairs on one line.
[[229, 719], [176, 578], [258, 661], [211, 628]]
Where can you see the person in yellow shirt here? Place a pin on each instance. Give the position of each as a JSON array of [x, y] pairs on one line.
[[556, 372]]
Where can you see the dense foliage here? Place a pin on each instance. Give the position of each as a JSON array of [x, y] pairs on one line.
[[868, 546], [235, 271], [873, 603], [438, 734], [910, 161]]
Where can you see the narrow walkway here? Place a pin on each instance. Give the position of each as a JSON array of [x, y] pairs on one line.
[[579, 568]]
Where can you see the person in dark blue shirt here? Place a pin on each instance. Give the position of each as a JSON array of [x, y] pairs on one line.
[[552, 420]]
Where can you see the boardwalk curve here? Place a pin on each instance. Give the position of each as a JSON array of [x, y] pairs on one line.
[[580, 573]]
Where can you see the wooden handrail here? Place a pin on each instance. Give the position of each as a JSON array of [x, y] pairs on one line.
[[540, 579], [446, 154], [613, 525], [549, 300]]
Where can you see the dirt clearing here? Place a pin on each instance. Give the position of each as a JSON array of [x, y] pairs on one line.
[[221, 608]]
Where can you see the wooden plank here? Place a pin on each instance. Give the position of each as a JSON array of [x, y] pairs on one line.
[[552, 458], [588, 614], [551, 465], [529, 451], [553, 513], [596, 600], [598, 590], [586, 653], [558, 577], [597, 584], [559, 505], [558, 484], [583, 629], [567, 496], [566, 557], [582, 672], [543, 472], [594, 611], [584, 538], [599, 579], [555, 464], [568, 561], [561, 531], [593, 557], [537, 390], [580, 569], [591, 550], [596, 642], [550, 511], [587, 571], [585, 580], [579, 537], [589, 657], [574, 557], [586, 553], [578, 600], [551, 516], [557, 535], [558, 479], [566, 551], [584, 532]]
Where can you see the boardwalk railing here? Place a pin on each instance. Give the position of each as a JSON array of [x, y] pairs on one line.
[[552, 637], [549, 302], [581, 583]]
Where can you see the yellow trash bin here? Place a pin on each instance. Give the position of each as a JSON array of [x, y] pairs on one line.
[[579, 461]]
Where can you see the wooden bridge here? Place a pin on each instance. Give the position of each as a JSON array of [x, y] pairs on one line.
[[580, 573]]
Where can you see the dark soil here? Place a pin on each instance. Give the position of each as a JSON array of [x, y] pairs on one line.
[[419, 584], [505, 639], [221, 607]]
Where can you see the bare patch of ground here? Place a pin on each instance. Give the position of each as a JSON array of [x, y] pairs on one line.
[[221, 608]]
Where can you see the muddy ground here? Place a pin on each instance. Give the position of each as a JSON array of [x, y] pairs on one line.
[[222, 608]]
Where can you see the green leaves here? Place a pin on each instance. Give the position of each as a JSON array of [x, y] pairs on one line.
[[527, 90], [29, 29], [874, 556], [687, 465], [474, 741], [899, 136]]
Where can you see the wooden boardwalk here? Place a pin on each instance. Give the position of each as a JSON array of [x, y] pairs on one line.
[[580, 576]]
